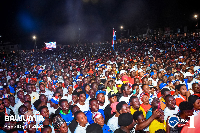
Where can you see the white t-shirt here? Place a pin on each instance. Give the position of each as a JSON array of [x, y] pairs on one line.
[[126, 99], [83, 108], [113, 123], [80, 129], [168, 112]]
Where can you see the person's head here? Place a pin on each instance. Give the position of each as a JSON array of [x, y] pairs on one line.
[[81, 118], [125, 90], [75, 96], [160, 118], [170, 102], [195, 101], [27, 97], [136, 81], [112, 97], [94, 128], [138, 117], [135, 87], [87, 88], [165, 92], [44, 111], [98, 118], [60, 90], [64, 105], [126, 120], [122, 107], [60, 124], [30, 128], [165, 79], [186, 109], [100, 97], [81, 96], [74, 109], [196, 88], [134, 102], [181, 89], [43, 98], [146, 88], [12, 99], [155, 102], [28, 104], [46, 129], [20, 94], [145, 80], [94, 105], [22, 110], [145, 99], [28, 88], [6, 102], [41, 86], [2, 107], [92, 93]]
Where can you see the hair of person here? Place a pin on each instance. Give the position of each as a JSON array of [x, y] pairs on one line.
[[131, 98], [164, 90], [168, 96], [62, 100], [123, 87], [27, 84], [120, 105], [75, 93], [92, 100], [42, 107], [37, 103], [21, 107], [44, 128], [134, 85], [144, 85], [94, 128], [76, 114], [185, 106], [178, 87], [136, 115], [81, 92]]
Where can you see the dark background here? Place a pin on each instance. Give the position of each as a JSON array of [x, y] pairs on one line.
[[64, 20]]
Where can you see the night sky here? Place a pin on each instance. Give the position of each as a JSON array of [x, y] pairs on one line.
[[64, 20]]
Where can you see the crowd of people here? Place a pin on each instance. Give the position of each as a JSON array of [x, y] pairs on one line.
[[133, 88]]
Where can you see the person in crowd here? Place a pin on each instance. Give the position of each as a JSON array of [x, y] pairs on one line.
[[126, 123], [81, 119], [171, 107], [94, 128], [126, 93], [122, 107], [99, 119], [135, 106], [195, 100], [94, 107]]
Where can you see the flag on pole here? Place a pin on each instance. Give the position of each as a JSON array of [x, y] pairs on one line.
[[114, 38]]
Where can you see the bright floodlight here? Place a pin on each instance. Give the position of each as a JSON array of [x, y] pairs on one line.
[[34, 37], [121, 27], [195, 16]]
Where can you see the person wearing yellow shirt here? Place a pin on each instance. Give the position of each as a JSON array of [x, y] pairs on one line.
[[135, 105], [158, 123]]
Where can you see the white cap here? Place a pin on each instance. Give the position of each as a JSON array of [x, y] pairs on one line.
[[187, 74], [140, 70], [122, 71]]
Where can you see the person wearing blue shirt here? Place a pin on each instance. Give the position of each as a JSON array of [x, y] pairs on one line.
[[154, 103], [169, 72], [65, 113], [99, 119], [94, 107]]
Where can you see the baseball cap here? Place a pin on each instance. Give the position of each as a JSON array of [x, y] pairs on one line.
[[100, 91], [111, 94]]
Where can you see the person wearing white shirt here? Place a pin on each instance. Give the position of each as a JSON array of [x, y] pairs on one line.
[[122, 107], [171, 107], [126, 93], [81, 102], [81, 118]]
